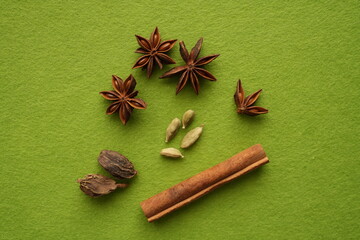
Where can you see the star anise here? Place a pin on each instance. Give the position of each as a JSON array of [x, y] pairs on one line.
[[244, 104], [124, 97], [153, 50], [192, 69]]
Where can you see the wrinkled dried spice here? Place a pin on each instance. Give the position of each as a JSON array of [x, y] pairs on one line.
[[123, 97], [116, 164], [154, 52], [192, 136], [96, 185], [193, 68], [172, 129], [187, 118], [245, 104], [171, 152]]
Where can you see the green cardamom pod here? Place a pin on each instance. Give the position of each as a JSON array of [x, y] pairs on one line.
[[187, 118], [96, 185], [191, 137], [171, 152], [172, 129], [116, 164]]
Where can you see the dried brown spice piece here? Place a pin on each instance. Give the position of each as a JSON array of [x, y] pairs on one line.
[[204, 182], [124, 97], [154, 51], [193, 68], [96, 185], [244, 105], [116, 164]]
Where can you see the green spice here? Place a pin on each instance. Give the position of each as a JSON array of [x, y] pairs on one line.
[[171, 152], [192, 136], [172, 129], [187, 118]]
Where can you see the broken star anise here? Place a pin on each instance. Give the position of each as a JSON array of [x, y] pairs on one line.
[[124, 97], [154, 51], [192, 69], [244, 104]]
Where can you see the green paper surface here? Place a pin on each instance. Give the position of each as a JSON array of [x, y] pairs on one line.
[[56, 56]]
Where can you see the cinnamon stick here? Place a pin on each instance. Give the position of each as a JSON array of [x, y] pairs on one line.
[[204, 182]]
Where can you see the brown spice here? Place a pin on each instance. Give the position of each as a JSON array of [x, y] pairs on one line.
[[154, 51], [172, 129], [244, 105], [124, 97], [116, 164], [204, 182], [96, 185], [193, 68]]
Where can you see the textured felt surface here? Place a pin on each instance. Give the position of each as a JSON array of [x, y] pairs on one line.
[[57, 55]]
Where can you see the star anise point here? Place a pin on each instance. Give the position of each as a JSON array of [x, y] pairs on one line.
[[245, 104], [193, 68], [123, 97], [154, 51]]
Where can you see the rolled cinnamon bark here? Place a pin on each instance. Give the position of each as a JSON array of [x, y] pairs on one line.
[[204, 182]]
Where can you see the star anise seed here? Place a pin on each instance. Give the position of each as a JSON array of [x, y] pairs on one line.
[[192, 70], [154, 51], [124, 97], [244, 105]]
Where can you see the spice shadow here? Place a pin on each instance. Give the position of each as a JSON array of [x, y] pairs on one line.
[[134, 120], [102, 200], [164, 158], [188, 90], [140, 74], [252, 120]]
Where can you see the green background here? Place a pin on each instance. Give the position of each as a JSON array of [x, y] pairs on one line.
[[57, 55]]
